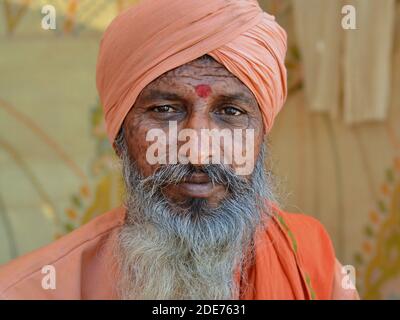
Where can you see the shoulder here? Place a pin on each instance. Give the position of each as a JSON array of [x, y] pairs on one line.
[[309, 232], [313, 248], [66, 252]]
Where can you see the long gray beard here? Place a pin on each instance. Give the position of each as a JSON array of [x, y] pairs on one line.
[[190, 250]]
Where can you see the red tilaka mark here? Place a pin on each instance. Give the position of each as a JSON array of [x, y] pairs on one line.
[[203, 90]]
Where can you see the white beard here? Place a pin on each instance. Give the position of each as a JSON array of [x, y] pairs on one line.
[[165, 255]]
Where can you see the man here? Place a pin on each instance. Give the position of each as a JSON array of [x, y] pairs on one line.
[[196, 224]]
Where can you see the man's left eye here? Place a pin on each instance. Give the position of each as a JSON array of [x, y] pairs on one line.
[[231, 111]]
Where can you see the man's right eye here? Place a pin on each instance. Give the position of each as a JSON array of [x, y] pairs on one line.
[[164, 109]]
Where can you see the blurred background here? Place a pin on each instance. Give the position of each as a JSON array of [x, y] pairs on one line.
[[335, 146]]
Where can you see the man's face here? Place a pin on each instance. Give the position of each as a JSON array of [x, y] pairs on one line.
[[202, 94], [192, 222]]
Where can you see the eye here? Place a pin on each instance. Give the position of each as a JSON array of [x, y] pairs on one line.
[[164, 109], [230, 111]]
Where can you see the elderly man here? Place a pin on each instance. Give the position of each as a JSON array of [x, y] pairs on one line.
[[194, 226]]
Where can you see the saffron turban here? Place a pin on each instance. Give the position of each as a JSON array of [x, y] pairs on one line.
[[156, 36]]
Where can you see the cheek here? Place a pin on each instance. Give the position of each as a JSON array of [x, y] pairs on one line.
[[137, 147], [137, 152], [258, 141], [249, 145]]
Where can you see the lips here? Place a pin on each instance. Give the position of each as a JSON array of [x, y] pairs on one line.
[[197, 178], [197, 185]]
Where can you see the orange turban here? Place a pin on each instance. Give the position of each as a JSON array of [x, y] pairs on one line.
[[157, 36]]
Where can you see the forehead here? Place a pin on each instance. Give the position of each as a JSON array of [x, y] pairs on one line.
[[204, 70], [203, 66]]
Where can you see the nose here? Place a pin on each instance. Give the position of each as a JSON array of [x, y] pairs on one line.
[[196, 148]]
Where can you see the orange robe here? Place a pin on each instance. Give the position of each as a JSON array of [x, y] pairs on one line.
[[294, 259]]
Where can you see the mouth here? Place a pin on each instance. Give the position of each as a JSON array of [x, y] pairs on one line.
[[197, 185], [197, 178]]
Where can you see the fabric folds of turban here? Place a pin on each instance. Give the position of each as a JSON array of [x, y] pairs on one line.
[[156, 36]]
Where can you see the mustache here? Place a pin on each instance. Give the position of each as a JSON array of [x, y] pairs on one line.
[[177, 173]]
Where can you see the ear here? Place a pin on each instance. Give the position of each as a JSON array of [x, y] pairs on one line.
[[116, 149], [121, 134]]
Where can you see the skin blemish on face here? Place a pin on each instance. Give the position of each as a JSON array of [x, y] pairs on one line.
[[203, 90]]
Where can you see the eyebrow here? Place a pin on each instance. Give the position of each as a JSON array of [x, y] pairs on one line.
[[162, 95], [236, 97], [166, 95]]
